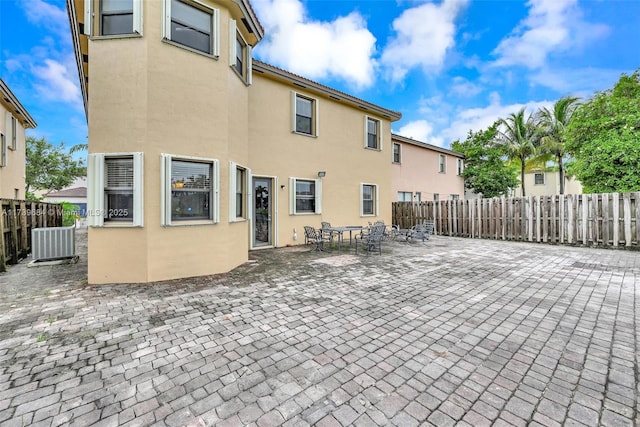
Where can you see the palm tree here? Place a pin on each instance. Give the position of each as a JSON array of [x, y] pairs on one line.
[[520, 136], [552, 124]]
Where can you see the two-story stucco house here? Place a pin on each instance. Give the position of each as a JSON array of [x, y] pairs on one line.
[[198, 154], [423, 172], [14, 119], [547, 183]]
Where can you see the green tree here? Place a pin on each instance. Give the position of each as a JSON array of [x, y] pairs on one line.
[[552, 127], [604, 138], [485, 171], [520, 136], [50, 167]]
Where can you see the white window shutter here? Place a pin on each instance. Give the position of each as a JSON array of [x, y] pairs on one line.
[[249, 65], [316, 104], [292, 196], [8, 135], [138, 190], [294, 96], [166, 27], [216, 192], [233, 167], [249, 193], [95, 190], [377, 201], [380, 135], [366, 131], [137, 16], [318, 196], [361, 199], [88, 17], [232, 42], [216, 32], [165, 189]]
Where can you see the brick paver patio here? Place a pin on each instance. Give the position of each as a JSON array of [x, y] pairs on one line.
[[450, 332]]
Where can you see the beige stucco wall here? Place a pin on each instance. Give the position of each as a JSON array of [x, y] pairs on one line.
[[418, 171], [338, 150], [13, 175], [154, 97], [550, 187]]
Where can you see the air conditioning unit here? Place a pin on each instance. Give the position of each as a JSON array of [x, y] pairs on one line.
[[52, 243]]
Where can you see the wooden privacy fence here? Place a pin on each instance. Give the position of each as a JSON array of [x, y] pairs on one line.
[[17, 219], [611, 220]]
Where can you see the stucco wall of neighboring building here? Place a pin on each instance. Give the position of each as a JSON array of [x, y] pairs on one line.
[[418, 171], [13, 174], [551, 185]]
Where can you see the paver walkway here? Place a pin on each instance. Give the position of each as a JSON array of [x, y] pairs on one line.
[[453, 331]]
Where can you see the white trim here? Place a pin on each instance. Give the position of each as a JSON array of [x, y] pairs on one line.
[[95, 190], [376, 199], [166, 24], [444, 168], [249, 65], [215, 30], [138, 190], [165, 191], [3, 151], [8, 130], [88, 17], [318, 196], [233, 168], [378, 134], [137, 16], [315, 119], [293, 194], [249, 195], [294, 96], [233, 52]]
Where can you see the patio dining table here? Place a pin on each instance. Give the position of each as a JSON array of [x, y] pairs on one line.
[[340, 232]]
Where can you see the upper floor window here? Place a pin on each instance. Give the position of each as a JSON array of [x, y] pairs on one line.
[[372, 133], [539, 179], [442, 163], [396, 152], [190, 189], [418, 196], [436, 197], [115, 192], [239, 53], [306, 196], [14, 133], [239, 178], [368, 199], [193, 25], [305, 115], [114, 18], [404, 196], [454, 197], [460, 164], [3, 150]]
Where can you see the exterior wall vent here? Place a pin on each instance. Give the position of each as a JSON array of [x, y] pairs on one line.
[[51, 243]]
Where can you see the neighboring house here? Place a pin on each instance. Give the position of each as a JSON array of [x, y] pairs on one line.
[[547, 183], [425, 172], [14, 119], [74, 195], [213, 154]]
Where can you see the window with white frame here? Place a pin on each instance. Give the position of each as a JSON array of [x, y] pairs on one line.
[[239, 179], [114, 17], [3, 151], [368, 199], [460, 164], [115, 193], [539, 179], [418, 196], [239, 53], [372, 133], [442, 163], [404, 196], [306, 196], [454, 197], [14, 133], [192, 24], [190, 190], [396, 152], [305, 114], [436, 197]]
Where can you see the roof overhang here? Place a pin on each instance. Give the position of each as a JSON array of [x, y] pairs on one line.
[[75, 10], [299, 81], [12, 104], [405, 140]]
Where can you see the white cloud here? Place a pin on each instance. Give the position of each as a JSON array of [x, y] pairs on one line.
[[342, 48], [420, 130], [476, 119], [551, 26], [423, 36], [57, 83], [464, 88], [39, 12], [581, 82]]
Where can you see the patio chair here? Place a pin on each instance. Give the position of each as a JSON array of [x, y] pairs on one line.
[[373, 240], [314, 237], [420, 231], [327, 233]]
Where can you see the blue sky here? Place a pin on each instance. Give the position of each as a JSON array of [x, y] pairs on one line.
[[448, 66]]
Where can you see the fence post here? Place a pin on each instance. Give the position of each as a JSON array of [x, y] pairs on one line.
[[616, 219]]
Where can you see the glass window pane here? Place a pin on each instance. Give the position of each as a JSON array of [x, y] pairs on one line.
[[190, 16], [367, 207], [372, 126], [119, 173], [191, 175], [372, 141], [117, 24], [119, 206], [190, 37], [303, 125], [116, 6], [303, 107], [190, 205]]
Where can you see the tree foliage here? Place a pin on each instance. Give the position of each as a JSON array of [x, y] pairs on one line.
[[50, 167], [604, 138], [485, 171]]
